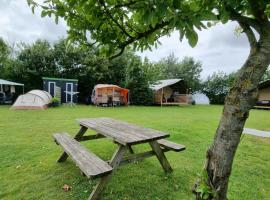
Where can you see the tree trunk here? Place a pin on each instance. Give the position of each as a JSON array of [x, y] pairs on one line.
[[241, 98]]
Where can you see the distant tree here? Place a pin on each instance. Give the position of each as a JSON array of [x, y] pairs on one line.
[[4, 56], [266, 76], [217, 86], [187, 69], [153, 71], [35, 61], [4, 50], [68, 58], [138, 84]]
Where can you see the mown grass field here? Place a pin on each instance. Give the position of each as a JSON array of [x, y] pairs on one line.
[[28, 168]]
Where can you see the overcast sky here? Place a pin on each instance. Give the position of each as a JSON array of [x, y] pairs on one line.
[[219, 48]]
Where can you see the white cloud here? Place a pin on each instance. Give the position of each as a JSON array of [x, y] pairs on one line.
[[19, 24], [218, 48]]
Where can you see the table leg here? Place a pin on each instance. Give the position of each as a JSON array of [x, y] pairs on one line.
[[160, 156], [130, 149], [64, 155], [114, 162]]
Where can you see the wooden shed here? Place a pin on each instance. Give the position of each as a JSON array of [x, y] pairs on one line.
[[64, 89], [171, 92], [110, 95], [264, 95]]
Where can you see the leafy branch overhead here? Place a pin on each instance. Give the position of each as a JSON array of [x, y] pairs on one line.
[[114, 25]]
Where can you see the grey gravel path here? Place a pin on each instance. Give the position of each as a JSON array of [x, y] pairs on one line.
[[255, 132]]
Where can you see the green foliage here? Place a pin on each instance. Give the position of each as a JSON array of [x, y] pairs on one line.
[[55, 100], [63, 60], [153, 71], [4, 50], [4, 56], [33, 62], [203, 187], [138, 84], [217, 86], [116, 24], [187, 69], [266, 75]]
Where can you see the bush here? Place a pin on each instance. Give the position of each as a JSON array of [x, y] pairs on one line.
[[55, 102], [137, 83]]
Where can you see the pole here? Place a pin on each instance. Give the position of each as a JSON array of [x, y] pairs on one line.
[[161, 97], [113, 97]]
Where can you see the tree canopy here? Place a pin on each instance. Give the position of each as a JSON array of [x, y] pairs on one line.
[[187, 69], [115, 24], [217, 86]]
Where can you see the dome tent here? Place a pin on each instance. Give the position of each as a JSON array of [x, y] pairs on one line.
[[200, 98], [33, 100]]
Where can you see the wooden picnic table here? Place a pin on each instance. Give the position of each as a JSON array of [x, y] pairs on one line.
[[125, 135]]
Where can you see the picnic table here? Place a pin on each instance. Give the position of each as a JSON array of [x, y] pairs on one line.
[[125, 135]]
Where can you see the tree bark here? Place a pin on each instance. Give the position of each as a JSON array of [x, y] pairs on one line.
[[240, 99]]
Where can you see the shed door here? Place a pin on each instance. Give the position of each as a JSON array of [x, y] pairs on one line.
[[51, 88], [69, 92]]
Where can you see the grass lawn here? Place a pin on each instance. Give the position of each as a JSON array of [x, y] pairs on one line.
[[28, 168]]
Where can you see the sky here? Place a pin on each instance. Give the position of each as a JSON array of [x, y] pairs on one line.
[[218, 48]]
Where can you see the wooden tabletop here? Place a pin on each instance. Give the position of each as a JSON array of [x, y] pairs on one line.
[[122, 132]]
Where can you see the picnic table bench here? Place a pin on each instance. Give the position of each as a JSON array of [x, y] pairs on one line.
[[125, 135]]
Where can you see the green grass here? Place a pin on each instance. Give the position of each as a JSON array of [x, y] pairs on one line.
[[28, 168]]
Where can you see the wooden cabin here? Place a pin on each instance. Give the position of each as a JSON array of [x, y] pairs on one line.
[[264, 95], [110, 95], [171, 92]]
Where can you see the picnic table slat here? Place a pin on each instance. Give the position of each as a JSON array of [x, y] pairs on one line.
[[90, 164], [122, 132], [171, 145]]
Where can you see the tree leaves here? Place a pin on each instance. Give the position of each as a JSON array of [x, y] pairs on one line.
[[192, 37], [115, 24]]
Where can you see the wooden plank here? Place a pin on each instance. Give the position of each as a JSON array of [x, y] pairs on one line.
[[137, 157], [122, 132], [80, 134], [171, 145], [132, 129], [161, 157], [114, 162], [90, 164], [91, 137]]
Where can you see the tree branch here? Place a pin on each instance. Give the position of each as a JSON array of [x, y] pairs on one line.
[[258, 9], [127, 4], [118, 54], [140, 36], [244, 20], [250, 35], [114, 20]]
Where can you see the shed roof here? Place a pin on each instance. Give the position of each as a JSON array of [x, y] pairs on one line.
[[59, 79], [164, 83], [5, 82], [264, 84]]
